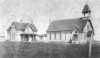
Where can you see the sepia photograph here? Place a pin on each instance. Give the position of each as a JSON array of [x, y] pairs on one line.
[[49, 29]]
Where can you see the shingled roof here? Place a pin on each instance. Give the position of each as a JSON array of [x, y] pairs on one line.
[[22, 26], [68, 25]]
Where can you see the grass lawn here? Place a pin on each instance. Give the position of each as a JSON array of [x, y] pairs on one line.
[[48, 50], [2, 50]]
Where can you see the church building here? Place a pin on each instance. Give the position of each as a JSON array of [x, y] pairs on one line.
[[70, 30]]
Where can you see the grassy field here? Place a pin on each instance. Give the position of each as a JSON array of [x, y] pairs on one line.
[[2, 50], [48, 50]]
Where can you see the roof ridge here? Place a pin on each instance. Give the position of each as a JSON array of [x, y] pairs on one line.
[[67, 19]]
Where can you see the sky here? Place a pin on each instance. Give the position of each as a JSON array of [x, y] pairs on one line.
[[42, 12]]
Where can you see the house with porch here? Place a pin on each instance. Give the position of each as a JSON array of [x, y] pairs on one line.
[[70, 30], [21, 31]]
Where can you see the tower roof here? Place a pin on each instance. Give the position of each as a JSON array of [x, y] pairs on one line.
[[86, 9]]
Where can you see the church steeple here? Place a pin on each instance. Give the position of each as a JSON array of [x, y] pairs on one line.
[[86, 10]]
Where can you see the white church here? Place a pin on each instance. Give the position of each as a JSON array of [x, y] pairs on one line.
[[76, 29]]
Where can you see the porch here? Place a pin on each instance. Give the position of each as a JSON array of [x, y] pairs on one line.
[[28, 37]]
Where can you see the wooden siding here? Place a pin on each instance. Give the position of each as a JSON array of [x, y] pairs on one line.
[[55, 36], [87, 27], [63, 36], [52, 35], [59, 36], [13, 35], [68, 37], [48, 37]]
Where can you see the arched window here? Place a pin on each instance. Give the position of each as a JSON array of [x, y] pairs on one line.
[[89, 33], [75, 36]]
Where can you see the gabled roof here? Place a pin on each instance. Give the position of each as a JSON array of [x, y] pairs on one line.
[[22, 26], [68, 25]]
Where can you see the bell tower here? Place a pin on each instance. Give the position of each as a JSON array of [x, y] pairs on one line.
[[86, 10], [90, 34]]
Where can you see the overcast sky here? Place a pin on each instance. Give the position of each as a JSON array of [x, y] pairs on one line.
[[44, 11]]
